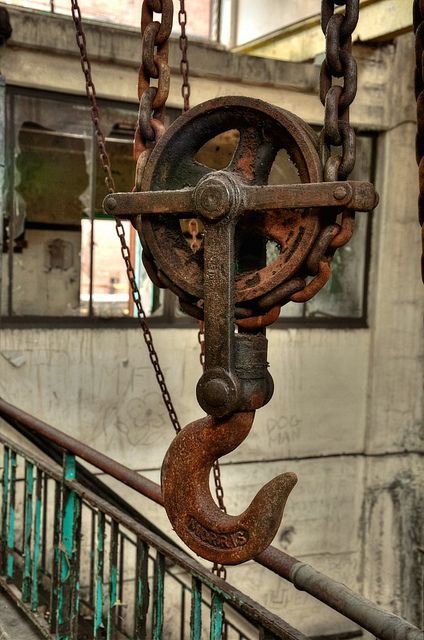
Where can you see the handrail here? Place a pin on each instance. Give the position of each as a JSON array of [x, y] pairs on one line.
[[254, 612], [336, 595]]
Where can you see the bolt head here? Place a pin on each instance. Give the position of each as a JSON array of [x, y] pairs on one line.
[[340, 193], [110, 203], [216, 392]]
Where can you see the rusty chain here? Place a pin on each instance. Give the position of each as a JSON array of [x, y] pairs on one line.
[[338, 84], [184, 65], [337, 138], [418, 16], [120, 230]]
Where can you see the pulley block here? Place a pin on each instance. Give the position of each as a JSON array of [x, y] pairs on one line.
[[236, 284]]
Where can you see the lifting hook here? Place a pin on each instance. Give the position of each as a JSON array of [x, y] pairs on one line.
[[196, 518]]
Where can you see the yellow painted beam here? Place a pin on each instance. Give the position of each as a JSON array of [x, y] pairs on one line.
[[379, 20]]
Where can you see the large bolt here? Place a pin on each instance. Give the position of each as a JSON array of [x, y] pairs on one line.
[[340, 192], [216, 195], [216, 393], [110, 203]]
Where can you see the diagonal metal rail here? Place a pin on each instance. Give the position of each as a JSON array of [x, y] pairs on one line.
[[337, 596]]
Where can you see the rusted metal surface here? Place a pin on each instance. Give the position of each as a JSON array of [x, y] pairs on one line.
[[337, 596], [206, 280], [306, 223], [172, 166], [194, 515], [356, 195], [184, 65], [418, 16], [87, 453]]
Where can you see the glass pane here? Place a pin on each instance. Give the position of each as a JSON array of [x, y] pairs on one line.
[[127, 13], [342, 297], [51, 176], [55, 196]]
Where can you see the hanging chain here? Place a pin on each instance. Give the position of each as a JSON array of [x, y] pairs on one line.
[[418, 13], [337, 139], [184, 66], [120, 230]]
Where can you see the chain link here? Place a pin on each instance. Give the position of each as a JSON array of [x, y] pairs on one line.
[[418, 14], [337, 138], [154, 67], [184, 65], [120, 230]]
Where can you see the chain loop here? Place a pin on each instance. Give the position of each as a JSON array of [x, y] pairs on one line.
[[154, 65], [337, 139]]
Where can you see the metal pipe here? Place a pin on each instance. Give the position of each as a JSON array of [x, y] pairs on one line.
[[108, 465], [337, 596]]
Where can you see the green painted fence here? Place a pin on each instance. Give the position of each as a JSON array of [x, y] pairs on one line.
[[82, 569]]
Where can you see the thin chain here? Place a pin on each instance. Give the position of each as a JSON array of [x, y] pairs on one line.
[[184, 66], [110, 184], [418, 13]]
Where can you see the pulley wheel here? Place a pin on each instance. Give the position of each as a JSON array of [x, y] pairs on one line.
[[264, 130]]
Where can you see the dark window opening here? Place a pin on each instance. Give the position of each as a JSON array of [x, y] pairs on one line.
[[61, 260]]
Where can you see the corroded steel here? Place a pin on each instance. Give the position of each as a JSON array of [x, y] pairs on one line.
[[196, 518], [231, 203], [184, 65], [207, 281], [418, 15], [356, 195], [154, 64], [172, 166], [335, 595]]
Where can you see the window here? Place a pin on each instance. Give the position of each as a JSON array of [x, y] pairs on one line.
[[61, 258], [202, 14]]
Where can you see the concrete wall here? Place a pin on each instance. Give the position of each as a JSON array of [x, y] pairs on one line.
[[347, 412]]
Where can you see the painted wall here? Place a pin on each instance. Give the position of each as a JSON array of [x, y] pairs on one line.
[[346, 415]]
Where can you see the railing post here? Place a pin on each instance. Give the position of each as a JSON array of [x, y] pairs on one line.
[[68, 595], [54, 589], [158, 597], [12, 517], [4, 509], [217, 616], [142, 593], [113, 581], [196, 610], [98, 597], [37, 542], [29, 488]]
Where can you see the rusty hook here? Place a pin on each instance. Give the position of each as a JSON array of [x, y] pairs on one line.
[[196, 518]]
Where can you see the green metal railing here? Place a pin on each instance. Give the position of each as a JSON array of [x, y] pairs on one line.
[[85, 565], [82, 569]]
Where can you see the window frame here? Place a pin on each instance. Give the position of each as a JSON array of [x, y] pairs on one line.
[[168, 318]]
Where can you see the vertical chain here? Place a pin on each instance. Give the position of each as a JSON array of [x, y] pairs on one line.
[[418, 15], [337, 139], [120, 230], [184, 65]]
